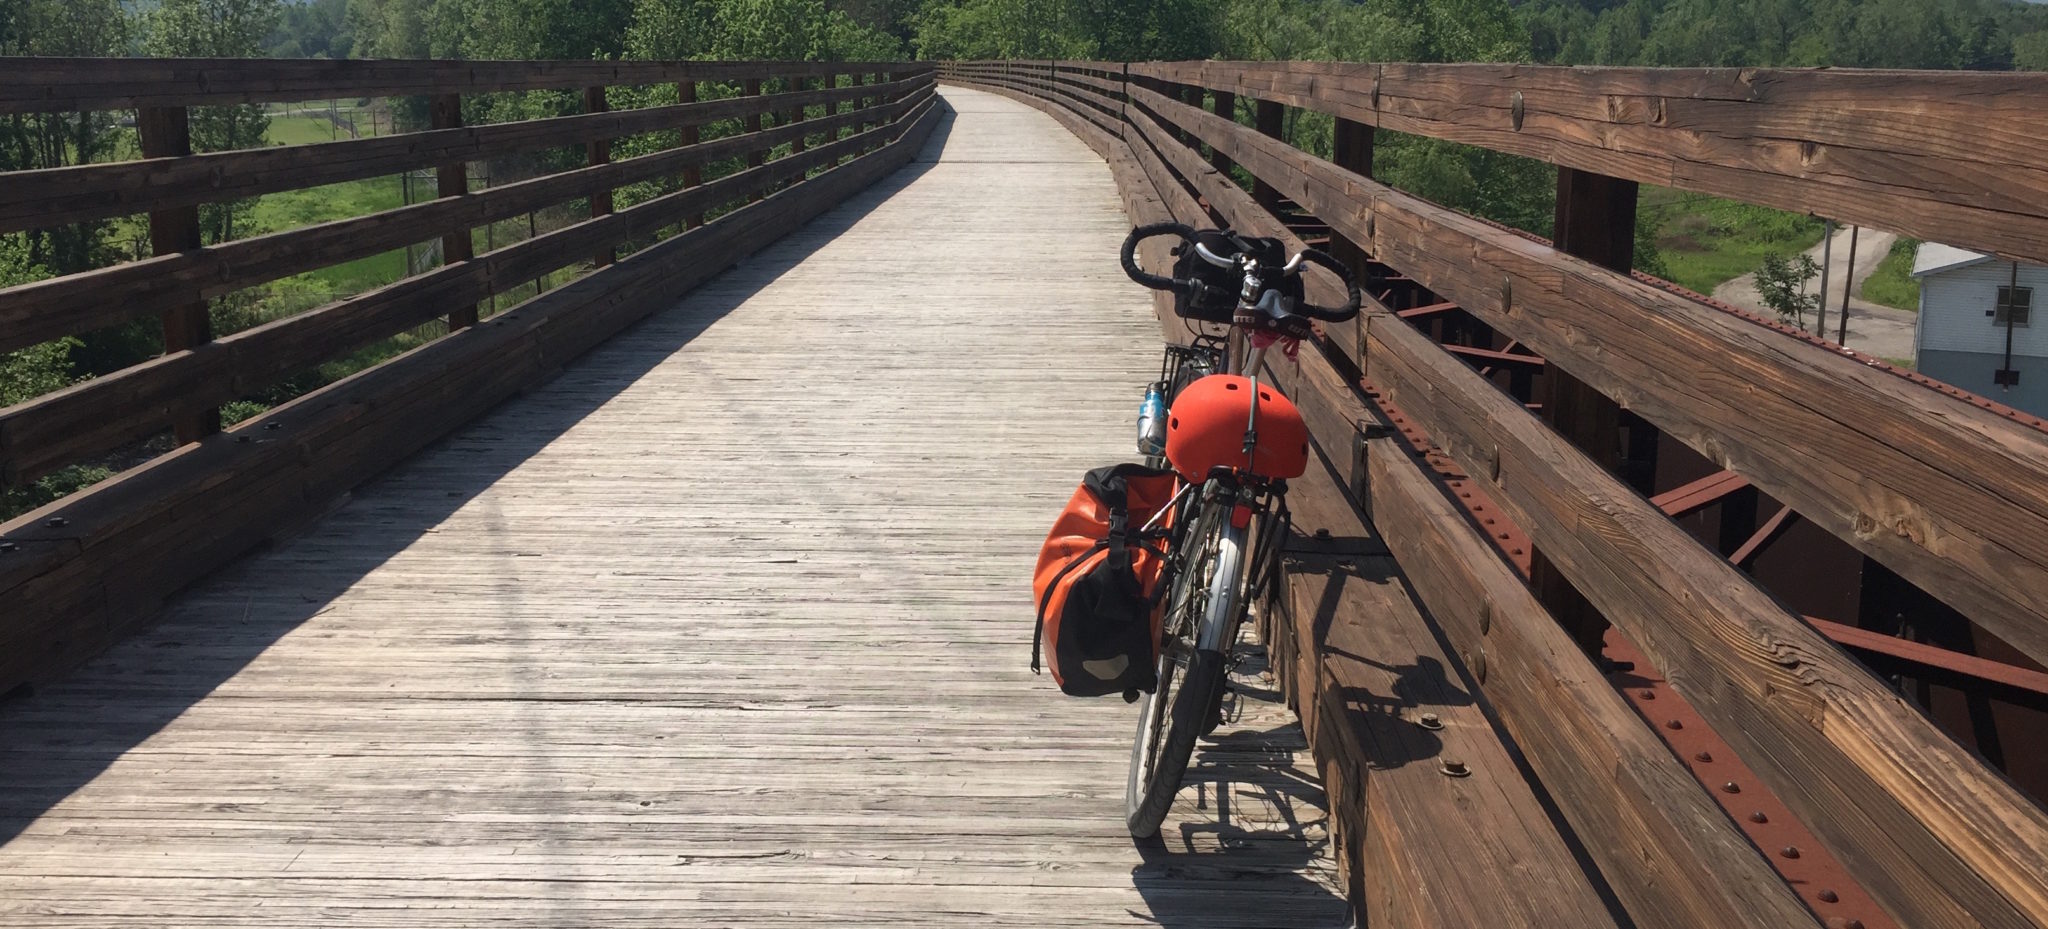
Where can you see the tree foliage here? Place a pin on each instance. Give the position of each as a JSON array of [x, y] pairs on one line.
[[1781, 285]]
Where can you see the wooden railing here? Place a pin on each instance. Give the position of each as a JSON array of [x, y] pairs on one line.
[[1949, 491], [78, 574]]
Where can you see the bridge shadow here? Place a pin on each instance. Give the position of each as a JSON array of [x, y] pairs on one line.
[[1258, 833], [57, 741]]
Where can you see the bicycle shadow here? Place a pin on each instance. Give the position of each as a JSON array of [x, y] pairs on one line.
[[1247, 842]]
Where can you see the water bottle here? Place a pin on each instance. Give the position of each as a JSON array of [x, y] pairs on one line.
[[1152, 422]]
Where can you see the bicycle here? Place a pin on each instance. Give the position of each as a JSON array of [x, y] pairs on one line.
[[1233, 443]]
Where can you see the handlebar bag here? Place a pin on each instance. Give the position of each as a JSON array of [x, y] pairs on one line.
[[1098, 582], [1214, 296]]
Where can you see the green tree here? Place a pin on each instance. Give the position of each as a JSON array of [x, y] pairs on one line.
[[217, 29], [315, 29], [1781, 284], [32, 141]]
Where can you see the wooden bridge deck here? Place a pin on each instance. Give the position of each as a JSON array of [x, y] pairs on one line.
[[725, 626]]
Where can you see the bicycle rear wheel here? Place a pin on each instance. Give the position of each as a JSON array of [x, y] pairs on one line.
[[1205, 595]]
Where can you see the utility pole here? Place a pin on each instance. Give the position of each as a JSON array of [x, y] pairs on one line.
[[1848, 284], [1827, 260]]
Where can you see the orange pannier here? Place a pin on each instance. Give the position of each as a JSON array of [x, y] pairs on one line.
[[1098, 584]]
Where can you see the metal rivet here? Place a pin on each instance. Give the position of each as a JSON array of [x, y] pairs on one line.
[[1673, 724], [273, 425], [1430, 721], [1648, 695], [1703, 757], [1759, 818], [56, 522], [1829, 896], [9, 547], [1322, 534], [1731, 788], [1515, 110], [1837, 922], [1789, 851], [1452, 767]]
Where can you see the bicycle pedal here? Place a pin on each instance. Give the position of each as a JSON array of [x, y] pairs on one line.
[[1131, 695]]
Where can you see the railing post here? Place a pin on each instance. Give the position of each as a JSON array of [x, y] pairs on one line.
[[1270, 122], [1596, 221], [1225, 106], [798, 145], [1351, 148], [445, 112], [166, 132], [598, 152], [686, 92], [751, 87]]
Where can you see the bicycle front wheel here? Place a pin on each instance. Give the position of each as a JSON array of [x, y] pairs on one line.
[[1206, 596]]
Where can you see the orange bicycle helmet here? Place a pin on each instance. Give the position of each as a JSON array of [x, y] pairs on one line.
[[1205, 429]]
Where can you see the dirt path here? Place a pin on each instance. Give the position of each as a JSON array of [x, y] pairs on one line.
[[1874, 329]]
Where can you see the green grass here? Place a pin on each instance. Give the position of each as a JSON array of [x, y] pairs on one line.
[[1893, 284], [300, 130], [1706, 241]]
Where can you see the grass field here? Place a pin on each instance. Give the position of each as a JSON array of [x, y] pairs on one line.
[[1706, 241], [1892, 284]]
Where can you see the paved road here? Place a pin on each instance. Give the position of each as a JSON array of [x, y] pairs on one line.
[[1873, 329]]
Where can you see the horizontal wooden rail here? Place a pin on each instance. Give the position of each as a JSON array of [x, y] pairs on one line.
[[80, 574], [59, 428], [1950, 157], [31, 85], [44, 310], [39, 199], [1952, 497]]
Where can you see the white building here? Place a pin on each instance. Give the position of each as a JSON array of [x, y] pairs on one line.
[[1965, 335]]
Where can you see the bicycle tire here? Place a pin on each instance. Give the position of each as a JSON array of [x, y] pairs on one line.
[[1179, 710]]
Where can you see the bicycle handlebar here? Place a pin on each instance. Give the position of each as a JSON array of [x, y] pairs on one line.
[[1353, 297], [1130, 257]]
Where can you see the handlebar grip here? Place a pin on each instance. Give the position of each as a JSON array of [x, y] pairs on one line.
[[1351, 305], [1130, 257]]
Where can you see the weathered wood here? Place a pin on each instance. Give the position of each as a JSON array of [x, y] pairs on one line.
[[452, 181], [165, 132], [158, 527], [1596, 221], [47, 432], [1268, 117], [1947, 157], [686, 92], [29, 85], [62, 195], [751, 87], [44, 310], [599, 152], [1885, 790], [1952, 497]]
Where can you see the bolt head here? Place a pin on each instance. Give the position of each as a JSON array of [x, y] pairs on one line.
[[1451, 767], [1759, 817], [1731, 788], [1673, 724], [1703, 757], [56, 522], [1829, 896], [1430, 721]]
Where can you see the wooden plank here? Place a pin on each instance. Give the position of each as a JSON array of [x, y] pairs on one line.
[[1942, 156], [1885, 790], [49, 309], [54, 196], [30, 85], [1432, 850], [1952, 497], [47, 432]]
